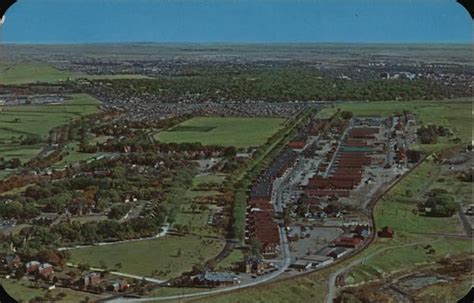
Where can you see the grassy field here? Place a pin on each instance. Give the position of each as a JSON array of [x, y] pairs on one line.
[[231, 260], [30, 73], [38, 120], [72, 154], [396, 208], [238, 132], [21, 291], [151, 256], [201, 179], [27, 73]]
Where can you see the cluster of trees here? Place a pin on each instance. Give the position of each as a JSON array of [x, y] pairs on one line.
[[18, 209], [10, 163], [440, 204], [279, 84], [429, 134]]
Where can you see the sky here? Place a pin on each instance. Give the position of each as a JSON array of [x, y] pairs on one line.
[[237, 21]]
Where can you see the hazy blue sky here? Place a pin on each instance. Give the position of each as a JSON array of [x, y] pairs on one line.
[[78, 21]]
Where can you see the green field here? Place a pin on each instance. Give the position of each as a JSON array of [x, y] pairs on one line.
[[149, 257], [232, 260], [30, 73], [230, 131], [27, 73], [202, 179], [37, 121]]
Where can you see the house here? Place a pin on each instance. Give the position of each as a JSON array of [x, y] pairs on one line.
[[413, 156], [32, 266], [89, 279], [252, 264], [301, 265], [12, 261], [45, 270], [118, 285], [349, 242], [386, 232], [62, 279], [217, 279], [317, 260], [338, 252]]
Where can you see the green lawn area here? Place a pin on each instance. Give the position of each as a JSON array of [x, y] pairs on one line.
[[72, 154], [396, 208], [21, 291], [200, 179], [231, 260], [228, 131], [191, 194], [34, 72], [38, 120], [146, 257], [27, 73]]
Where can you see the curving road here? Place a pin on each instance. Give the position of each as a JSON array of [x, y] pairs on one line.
[[286, 264]]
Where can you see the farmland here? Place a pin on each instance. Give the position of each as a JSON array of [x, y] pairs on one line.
[[163, 258], [238, 132], [27, 73], [30, 73]]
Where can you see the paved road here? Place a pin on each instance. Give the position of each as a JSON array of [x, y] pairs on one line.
[[122, 274], [163, 233]]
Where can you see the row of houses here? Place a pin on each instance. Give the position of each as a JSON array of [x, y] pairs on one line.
[[260, 223], [45, 272], [345, 165]]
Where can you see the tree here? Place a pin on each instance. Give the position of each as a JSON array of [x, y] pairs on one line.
[[83, 267], [203, 207], [441, 204], [256, 247]]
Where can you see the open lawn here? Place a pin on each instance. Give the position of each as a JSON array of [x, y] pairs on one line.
[[231, 260], [229, 131], [397, 208], [38, 120], [30, 73], [72, 154], [27, 73], [202, 179], [164, 258]]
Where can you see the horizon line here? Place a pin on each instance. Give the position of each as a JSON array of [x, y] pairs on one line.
[[231, 43]]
